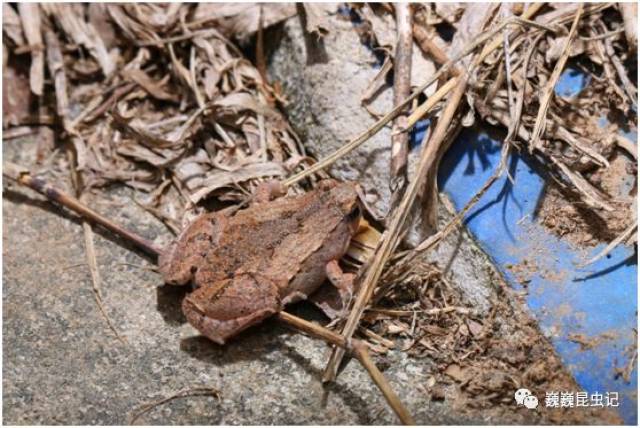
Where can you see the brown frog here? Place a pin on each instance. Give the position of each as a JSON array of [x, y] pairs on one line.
[[247, 265]]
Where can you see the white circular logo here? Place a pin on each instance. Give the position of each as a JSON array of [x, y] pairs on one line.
[[524, 398]]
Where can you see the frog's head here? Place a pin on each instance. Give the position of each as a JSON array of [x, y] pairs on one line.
[[345, 197]]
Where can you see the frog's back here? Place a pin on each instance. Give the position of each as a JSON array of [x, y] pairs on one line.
[[251, 236]]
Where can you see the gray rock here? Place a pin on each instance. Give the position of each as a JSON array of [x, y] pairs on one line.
[[324, 86]]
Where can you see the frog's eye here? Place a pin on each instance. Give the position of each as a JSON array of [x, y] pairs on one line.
[[355, 213]]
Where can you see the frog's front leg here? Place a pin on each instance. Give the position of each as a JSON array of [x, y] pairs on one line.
[[225, 308], [334, 301]]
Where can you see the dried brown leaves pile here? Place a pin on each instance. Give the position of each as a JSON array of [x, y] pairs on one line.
[[155, 97], [565, 133]]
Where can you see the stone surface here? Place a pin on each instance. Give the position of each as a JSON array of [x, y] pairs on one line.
[[325, 92]]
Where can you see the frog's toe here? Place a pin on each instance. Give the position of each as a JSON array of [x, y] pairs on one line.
[[270, 190]]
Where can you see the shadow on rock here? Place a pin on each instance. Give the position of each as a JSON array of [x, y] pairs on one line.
[[360, 406], [252, 344], [261, 341], [169, 303]]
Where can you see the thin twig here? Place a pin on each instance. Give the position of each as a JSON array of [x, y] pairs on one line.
[[435, 311], [430, 103], [376, 337], [359, 350], [623, 237], [401, 90], [18, 132], [363, 356], [428, 46], [590, 194], [627, 145], [629, 13], [526, 15], [629, 89], [548, 91], [507, 69], [602, 36], [314, 330], [22, 176], [188, 392]]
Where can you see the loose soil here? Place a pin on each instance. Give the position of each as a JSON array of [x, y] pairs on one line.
[[566, 216]]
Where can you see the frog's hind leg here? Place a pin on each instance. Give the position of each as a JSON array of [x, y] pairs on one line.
[[334, 301], [224, 309]]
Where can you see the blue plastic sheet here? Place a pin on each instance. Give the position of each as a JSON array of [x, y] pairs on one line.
[[565, 299]]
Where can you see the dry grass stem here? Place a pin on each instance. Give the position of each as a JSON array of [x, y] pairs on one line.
[[187, 392], [391, 235], [623, 237], [541, 118], [401, 90], [95, 278]]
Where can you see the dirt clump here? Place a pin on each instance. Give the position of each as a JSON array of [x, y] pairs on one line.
[[566, 216]]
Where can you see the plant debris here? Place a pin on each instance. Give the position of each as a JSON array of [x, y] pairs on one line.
[[187, 392], [169, 105]]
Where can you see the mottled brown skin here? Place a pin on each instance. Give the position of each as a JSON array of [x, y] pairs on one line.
[[247, 265]]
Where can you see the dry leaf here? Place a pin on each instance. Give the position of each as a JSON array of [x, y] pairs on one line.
[[317, 17], [153, 87], [30, 17], [242, 19], [77, 29], [16, 97], [11, 25], [455, 372], [218, 180]]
